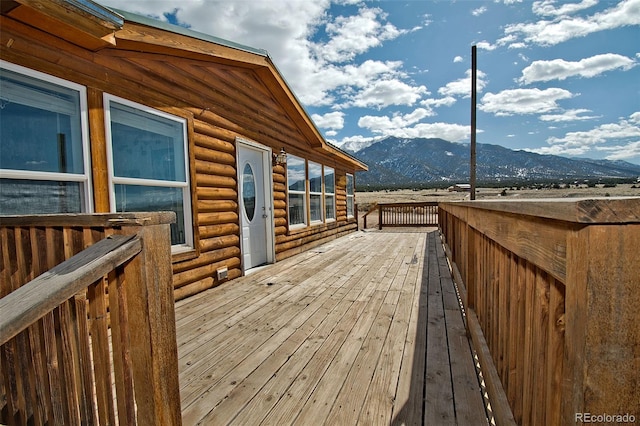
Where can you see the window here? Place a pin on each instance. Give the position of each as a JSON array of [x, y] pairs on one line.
[[44, 150], [315, 192], [296, 182], [329, 193], [149, 166], [350, 196]]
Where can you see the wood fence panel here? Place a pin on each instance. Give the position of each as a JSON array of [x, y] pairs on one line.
[[68, 351], [554, 288]]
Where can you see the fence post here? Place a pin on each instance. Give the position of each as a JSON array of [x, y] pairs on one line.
[[150, 302], [601, 318], [380, 217]]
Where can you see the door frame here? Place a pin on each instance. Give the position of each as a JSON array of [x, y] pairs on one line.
[[267, 178]]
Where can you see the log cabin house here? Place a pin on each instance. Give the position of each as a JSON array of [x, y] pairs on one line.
[[105, 111]]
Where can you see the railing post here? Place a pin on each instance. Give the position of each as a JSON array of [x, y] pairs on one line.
[[150, 303], [380, 218], [601, 318]]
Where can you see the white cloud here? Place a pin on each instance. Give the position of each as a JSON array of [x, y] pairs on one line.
[[479, 11], [569, 115], [353, 35], [559, 69], [485, 45], [457, 59], [383, 93], [462, 87], [402, 126], [625, 134], [523, 101], [383, 124], [548, 7], [446, 101], [563, 28], [332, 120], [622, 152]]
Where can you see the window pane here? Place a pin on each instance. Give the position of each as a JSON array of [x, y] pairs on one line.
[[146, 145], [296, 209], [40, 197], [316, 207], [329, 180], [315, 177], [40, 126], [349, 184], [295, 173], [330, 207], [349, 206], [248, 192], [137, 198]]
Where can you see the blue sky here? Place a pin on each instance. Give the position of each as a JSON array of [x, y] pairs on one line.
[[553, 77]]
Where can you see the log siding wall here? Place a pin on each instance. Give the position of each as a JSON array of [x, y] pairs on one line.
[[221, 100]]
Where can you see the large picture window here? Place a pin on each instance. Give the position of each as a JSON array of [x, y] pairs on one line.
[[350, 196], [296, 182], [44, 154], [149, 167], [329, 193], [315, 192]]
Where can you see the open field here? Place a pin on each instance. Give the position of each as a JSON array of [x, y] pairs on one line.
[[366, 199]]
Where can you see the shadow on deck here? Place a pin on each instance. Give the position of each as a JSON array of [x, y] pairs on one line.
[[366, 329]]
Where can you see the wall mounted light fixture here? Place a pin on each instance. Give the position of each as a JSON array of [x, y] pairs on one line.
[[281, 158]]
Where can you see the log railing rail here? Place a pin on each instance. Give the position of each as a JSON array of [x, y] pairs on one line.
[[407, 214], [551, 291], [87, 329]]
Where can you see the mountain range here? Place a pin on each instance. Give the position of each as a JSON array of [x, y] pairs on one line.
[[398, 162]]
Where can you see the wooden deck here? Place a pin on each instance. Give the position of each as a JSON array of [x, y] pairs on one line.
[[366, 329]]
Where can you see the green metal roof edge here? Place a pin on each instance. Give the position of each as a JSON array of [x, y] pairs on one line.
[[101, 12], [166, 26]]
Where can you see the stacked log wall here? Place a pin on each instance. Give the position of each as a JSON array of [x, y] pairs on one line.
[[221, 103]]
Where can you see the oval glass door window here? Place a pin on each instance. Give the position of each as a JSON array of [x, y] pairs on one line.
[[249, 192]]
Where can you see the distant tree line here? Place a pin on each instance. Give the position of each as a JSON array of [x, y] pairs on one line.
[[513, 184]]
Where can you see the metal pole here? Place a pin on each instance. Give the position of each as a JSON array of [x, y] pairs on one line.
[[472, 159]]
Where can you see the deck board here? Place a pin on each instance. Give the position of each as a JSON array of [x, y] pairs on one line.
[[362, 330]]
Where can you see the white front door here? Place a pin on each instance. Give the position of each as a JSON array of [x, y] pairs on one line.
[[255, 204]]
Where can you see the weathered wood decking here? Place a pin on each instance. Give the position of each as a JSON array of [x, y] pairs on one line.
[[363, 330]]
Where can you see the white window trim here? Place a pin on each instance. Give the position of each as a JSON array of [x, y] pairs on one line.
[[84, 137], [329, 194], [304, 193], [352, 196], [316, 193], [114, 180]]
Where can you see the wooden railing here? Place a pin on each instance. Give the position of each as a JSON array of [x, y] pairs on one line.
[[552, 295], [405, 214], [373, 208], [87, 323]]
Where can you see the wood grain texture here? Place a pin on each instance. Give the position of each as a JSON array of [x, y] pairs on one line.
[[566, 347], [335, 335], [222, 93]]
